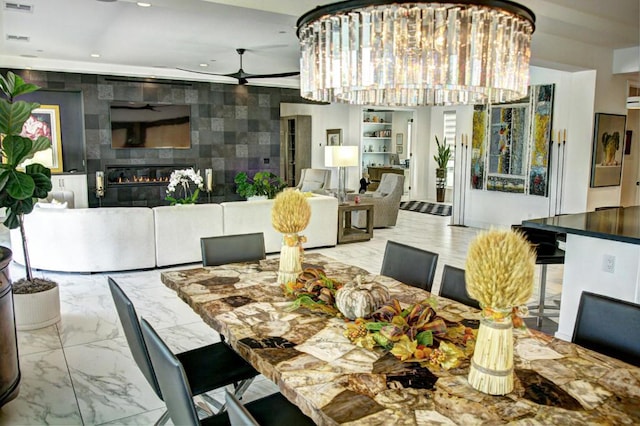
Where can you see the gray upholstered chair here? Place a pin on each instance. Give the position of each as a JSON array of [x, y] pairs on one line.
[[314, 180], [385, 200], [177, 389], [454, 286], [409, 265], [207, 368], [232, 248], [609, 326]]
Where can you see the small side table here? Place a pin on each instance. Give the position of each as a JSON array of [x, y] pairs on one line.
[[348, 233]]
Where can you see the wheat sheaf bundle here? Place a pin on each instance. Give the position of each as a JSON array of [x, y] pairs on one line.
[[291, 212], [499, 269]]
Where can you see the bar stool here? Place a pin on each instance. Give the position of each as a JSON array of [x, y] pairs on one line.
[[547, 253]]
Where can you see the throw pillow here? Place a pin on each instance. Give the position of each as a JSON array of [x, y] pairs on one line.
[[310, 186], [54, 204]]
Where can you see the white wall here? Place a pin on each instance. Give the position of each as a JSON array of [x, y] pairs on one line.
[[323, 117], [573, 110]]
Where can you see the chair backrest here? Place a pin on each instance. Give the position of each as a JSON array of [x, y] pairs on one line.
[[314, 179], [171, 377], [238, 414], [454, 286], [410, 265], [390, 184], [609, 326], [131, 327], [232, 248]]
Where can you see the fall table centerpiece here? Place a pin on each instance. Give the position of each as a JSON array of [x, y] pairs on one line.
[[499, 275], [290, 215]]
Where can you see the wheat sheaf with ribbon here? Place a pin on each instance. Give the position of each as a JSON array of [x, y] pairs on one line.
[[291, 212], [499, 269]]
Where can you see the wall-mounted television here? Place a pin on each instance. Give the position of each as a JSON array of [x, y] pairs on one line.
[[146, 125]]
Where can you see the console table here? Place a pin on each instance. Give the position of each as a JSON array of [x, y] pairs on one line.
[[347, 233]]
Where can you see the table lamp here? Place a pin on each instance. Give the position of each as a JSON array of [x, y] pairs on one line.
[[341, 156]]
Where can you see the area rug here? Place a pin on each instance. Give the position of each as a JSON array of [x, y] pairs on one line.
[[424, 207]]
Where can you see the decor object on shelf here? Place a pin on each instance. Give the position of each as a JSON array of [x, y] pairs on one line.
[[606, 158], [290, 215], [208, 180], [349, 52], [180, 184], [499, 273], [19, 191], [357, 299], [263, 184], [341, 156], [441, 158]]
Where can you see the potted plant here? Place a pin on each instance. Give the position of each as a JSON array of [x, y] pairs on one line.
[[20, 189], [442, 158], [263, 185]]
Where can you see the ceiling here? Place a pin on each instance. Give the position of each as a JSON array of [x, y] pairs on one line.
[[155, 41]]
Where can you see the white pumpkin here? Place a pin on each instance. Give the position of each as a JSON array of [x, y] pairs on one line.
[[359, 300]]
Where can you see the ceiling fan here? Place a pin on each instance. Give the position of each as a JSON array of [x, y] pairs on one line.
[[243, 76]]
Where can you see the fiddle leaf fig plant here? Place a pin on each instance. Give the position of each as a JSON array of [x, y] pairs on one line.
[[20, 187]]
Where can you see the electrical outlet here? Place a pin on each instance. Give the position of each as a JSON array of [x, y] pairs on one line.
[[609, 263]]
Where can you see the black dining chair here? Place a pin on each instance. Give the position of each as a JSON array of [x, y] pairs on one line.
[[545, 244], [176, 386], [232, 248], [609, 326], [410, 265], [207, 368], [454, 286]]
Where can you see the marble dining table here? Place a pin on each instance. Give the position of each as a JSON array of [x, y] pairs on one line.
[[335, 382]]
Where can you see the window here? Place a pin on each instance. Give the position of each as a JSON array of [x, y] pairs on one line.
[[450, 137]]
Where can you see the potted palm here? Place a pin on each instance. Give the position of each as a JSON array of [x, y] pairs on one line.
[[442, 158], [263, 185], [37, 301]]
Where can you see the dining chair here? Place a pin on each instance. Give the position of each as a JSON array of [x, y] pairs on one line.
[[545, 244], [609, 326], [207, 368], [410, 265], [176, 386], [454, 286], [232, 248]]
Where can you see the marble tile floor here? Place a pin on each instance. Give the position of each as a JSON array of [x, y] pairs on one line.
[[80, 371]]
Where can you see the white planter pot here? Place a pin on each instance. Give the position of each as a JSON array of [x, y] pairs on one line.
[[37, 310]]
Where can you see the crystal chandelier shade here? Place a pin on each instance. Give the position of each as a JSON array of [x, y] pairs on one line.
[[415, 53]]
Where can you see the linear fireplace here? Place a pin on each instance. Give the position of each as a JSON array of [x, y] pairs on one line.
[[141, 175], [138, 185]]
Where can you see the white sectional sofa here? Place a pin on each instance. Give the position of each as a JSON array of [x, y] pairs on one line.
[[88, 240], [125, 238]]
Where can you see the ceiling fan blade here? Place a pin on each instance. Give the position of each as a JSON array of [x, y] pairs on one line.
[[280, 74], [232, 75]]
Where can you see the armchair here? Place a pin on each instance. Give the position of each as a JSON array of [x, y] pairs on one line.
[[314, 180], [385, 200]]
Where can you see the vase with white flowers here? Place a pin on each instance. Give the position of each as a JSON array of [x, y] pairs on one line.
[[181, 182]]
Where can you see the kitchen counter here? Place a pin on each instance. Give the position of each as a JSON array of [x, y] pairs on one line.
[[602, 256]]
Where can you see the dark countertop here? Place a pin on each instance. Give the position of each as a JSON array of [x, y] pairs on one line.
[[621, 224]]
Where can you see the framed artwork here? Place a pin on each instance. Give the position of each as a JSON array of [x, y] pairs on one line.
[[478, 146], [542, 108], [607, 152], [334, 137], [399, 144], [45, 121]]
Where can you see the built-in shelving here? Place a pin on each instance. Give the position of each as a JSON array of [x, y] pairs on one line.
[[376, 138]]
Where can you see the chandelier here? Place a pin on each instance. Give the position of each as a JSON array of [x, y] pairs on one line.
[[412, 53]]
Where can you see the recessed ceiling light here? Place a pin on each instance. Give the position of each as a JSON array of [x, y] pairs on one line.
[[95, 55], [204, 65], [143, 4]]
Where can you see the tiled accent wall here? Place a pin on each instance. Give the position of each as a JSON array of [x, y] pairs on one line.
[[233, 128]]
